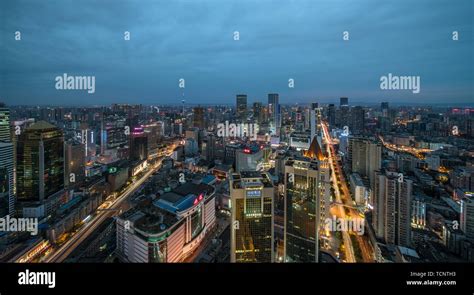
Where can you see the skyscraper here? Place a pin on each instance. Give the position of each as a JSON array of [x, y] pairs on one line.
[[306, 200], [392, 207], [4, 123], [74, 153], [258, 113], [252, 195], [40, 162], [241, 106], [365, 157], [7, 192], [357, 120], [6, 162], [138, 144], [198, 120], [274, 110], [344, 101], [467, 217], [331, 115], [384, 107]]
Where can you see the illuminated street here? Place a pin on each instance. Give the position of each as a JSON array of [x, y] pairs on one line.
[[88, 228]]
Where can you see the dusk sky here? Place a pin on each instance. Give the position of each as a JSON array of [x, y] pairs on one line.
[[194, 40]]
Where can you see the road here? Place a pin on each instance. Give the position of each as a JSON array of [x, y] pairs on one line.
[[417, 152], [346, 199], [353, 213], [88, 228], [349, 249]]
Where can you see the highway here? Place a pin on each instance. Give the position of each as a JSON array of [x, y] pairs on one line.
[[88, 228]]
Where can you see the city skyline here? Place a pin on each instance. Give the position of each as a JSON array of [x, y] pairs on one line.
[[314, 138]]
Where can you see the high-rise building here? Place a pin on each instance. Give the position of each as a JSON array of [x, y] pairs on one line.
[[138, 145], [392, 208], [467, 217], [7, 178], [384, 107], [40, 162], [365, 157], [241, 106], [258, 112], [114, 133], [344, 101], [4, 123], [252, 199], [357, 120], [274, 111], [7, 192], [307, 200], [331, 115], [198, 118], [74, 164]]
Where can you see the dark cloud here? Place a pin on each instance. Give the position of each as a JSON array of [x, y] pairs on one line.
[[194, 40]]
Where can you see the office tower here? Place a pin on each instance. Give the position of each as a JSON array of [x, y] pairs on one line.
[[392, 204], [7, 176], [314, 105], [114, 133], [307, 200], [138, 145], [258, 112], [418, 213], [209, 148], [252, 195], [343, 117], [357, 120], [384, 107], [4, 124], [467, 217], [344, 101], [198, 120], [154, 133], [191, 147], [6, 163], [274, 111], [40, 162], [365, 157], [241, 105], [332, 115], [75, 160]]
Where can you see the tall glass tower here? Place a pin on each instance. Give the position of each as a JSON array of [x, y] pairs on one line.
[[40, 162], [306, 204], [252, 195]]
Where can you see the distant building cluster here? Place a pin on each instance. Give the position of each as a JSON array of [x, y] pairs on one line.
[[166, 183]]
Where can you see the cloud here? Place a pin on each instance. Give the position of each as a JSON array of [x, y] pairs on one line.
[[194, 40]]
